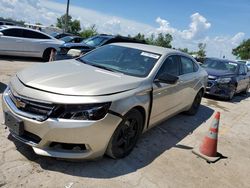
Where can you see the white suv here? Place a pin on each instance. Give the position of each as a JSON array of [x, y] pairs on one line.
[[19, 41]]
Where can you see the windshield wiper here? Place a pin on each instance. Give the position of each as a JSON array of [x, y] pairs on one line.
[[102, 67], [98, 66]]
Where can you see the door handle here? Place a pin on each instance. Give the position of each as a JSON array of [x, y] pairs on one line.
[[19, 41]]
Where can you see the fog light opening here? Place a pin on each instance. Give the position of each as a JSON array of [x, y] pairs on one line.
[[68, 147]]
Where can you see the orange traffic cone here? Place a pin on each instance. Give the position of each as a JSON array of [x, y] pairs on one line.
[[208, 148]]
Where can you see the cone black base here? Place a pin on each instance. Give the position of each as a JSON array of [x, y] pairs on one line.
[[208, 159]]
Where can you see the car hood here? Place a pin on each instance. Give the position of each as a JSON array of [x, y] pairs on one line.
[[71, 77], [79, 45], [219, 73]]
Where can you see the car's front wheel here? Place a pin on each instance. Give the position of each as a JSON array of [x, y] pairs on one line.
[[126, 135], [246, 90], [231, 94]]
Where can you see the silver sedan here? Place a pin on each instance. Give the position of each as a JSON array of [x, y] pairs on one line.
[[20, 41], [101, 102]]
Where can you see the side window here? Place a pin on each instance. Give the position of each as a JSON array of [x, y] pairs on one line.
[[187, 65], [13, 32], [170, 66], [241, 70], [196, 67], [34, 35], [246, 69]]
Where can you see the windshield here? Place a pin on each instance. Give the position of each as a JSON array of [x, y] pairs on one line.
[[125, 60], [66, 39], [95, 41], [220, 65]]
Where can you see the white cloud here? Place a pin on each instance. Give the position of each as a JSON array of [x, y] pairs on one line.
[[46, 12]]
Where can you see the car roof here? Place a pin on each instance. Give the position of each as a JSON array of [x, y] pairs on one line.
[[224, 60], [149, 48], [25, 28]]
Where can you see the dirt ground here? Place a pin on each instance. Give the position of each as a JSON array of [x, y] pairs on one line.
[[162, 158]]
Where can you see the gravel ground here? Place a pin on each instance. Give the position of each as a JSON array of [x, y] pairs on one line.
[[162, 158]]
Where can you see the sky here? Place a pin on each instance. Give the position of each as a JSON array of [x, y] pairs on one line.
[[221, 24]]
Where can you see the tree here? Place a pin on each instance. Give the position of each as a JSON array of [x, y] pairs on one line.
[[73, 26], [243, 50], [89, 32], [151, 39], [201, 53], [185, 50], [139, 36], [164, 40]]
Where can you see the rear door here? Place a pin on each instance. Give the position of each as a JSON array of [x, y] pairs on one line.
[[33, 41], [11, 41], [188, 79]]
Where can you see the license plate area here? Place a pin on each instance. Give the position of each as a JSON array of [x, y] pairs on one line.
[[15, 124]]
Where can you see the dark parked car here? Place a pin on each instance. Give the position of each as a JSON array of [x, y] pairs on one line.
[[226, 78], [72, 39], [92, 43], [60, 35]]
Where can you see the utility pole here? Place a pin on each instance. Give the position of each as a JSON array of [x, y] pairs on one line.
[[67, 17]]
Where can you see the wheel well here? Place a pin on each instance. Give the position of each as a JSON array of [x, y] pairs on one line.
[[48, 50], [202, 90], [143, 112]]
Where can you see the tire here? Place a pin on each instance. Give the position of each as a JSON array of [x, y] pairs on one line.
[[126, 135], [196, 104], [46, 54], [231, 95], [246, 90]]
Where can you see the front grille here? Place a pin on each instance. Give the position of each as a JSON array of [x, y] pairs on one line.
[[30, 106], [209, 84], [63, 51]]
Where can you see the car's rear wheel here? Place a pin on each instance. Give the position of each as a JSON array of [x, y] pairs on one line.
[[126, 135], [196, 104]]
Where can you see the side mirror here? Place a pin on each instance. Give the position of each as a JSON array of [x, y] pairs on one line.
[[1, 34], [167, 78]]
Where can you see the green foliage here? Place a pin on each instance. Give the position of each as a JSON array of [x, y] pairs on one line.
[[89, 32], [139, 36], [185, 50], [243, 50], [74, 26], [201, 53], [163, 40]]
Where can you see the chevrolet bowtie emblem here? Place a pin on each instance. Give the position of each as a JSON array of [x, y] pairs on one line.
[[19, 103]]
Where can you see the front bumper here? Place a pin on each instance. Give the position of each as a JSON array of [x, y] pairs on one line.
[[64, 56], [42, 136], [217, 89]]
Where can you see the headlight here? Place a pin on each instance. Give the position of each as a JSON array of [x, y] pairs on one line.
[[223, 80], [81, 111]]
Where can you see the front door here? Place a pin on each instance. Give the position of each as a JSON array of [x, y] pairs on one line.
[[166, 99]]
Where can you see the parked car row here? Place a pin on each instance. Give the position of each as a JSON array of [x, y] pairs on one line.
[[101, 102], [90, 44]]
